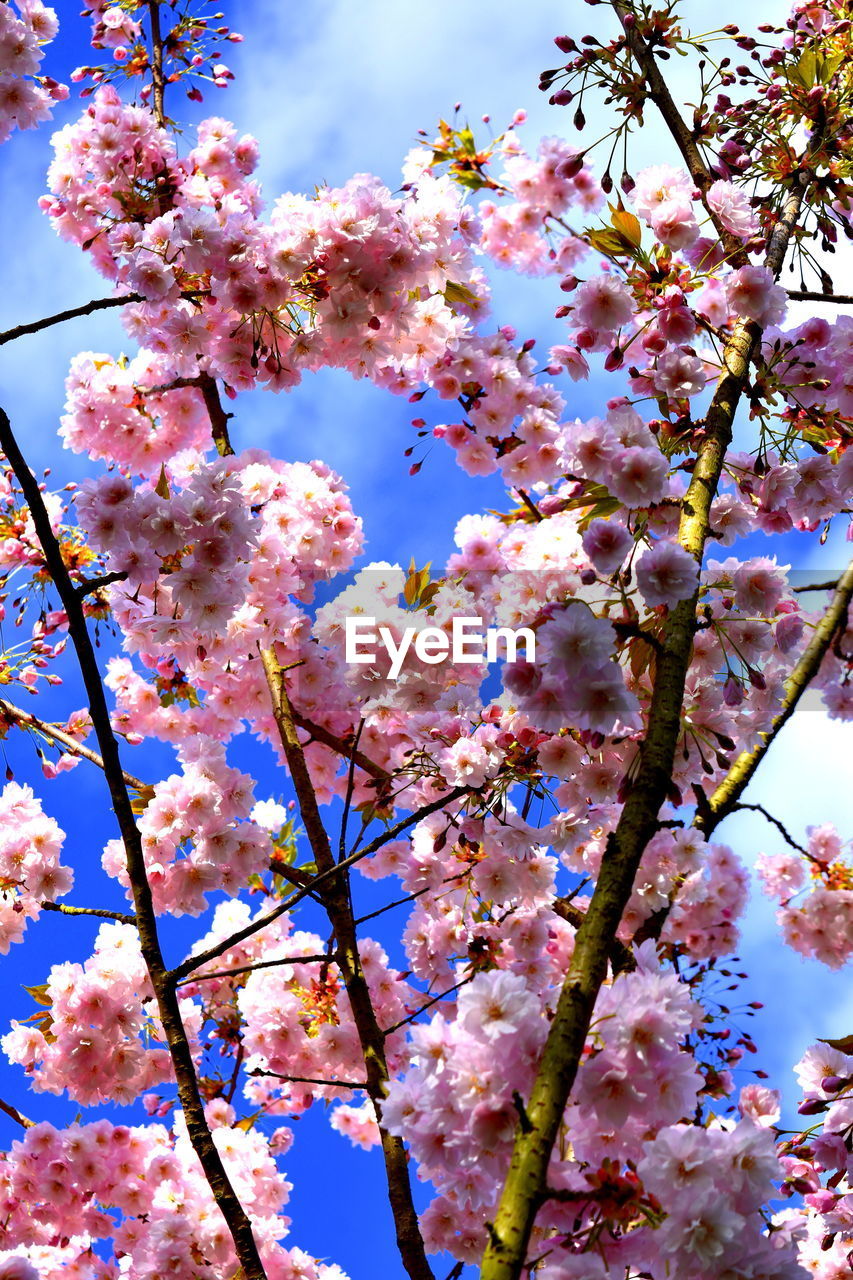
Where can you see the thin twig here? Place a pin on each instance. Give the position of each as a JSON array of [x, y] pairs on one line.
[[17, 715], [330, 1084], [807, 295], [257, 964], [64, 909], [428, 1005], [240, 935], [786, 835], [73, 313]]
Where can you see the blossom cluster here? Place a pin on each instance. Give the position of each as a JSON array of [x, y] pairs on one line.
[[25, 95], [31, 872], [64, 1190], [93, 1040]]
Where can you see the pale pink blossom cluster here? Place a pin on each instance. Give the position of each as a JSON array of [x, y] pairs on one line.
[[93, 1040], [111, 413], [352, 277], [540, 190], [712, 1184], [196, 836], [31, 872], [574, 679], [818, 1165], [64, 1190], [818, 924], [708, 905], [25, 95]]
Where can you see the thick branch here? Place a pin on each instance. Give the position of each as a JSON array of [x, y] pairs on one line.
[[157, 64], [17, 715], [219, 419], [727, 795], [336, 900], [146, 920], [505, 1255]]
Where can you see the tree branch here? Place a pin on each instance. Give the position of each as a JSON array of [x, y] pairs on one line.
[[17, 715], [14, 1114], [336, 900], [727, 795], [506, 1251], [321, 734], [73, 313], [157, 77], [329, 957], [219, 419], [658, 90], [808, 295], [65, 909], [146, 920]]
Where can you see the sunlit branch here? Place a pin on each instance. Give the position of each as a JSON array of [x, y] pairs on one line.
[[509, 1233], [101, 912], [721, 803], [780, 826]]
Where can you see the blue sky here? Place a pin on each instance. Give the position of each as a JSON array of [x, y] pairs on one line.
[[330, 89]]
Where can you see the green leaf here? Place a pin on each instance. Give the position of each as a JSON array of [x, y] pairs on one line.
[[455, 293], [844, 1045], [162, 486]]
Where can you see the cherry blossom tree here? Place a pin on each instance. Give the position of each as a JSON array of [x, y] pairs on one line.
[[542, 1045]]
